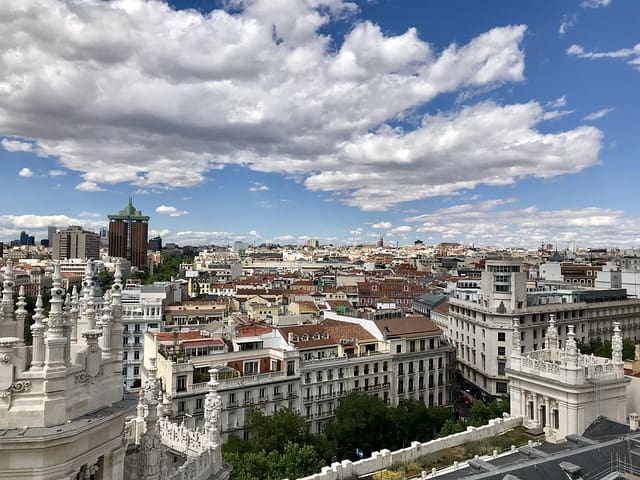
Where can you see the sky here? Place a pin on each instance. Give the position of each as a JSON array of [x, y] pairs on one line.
[[498, 123]]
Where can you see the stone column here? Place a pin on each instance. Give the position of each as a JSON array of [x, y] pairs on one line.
[[547, 412]]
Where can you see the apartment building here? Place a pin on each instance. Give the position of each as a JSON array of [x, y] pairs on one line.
[[142, 308], [307, 368], [479, 321]]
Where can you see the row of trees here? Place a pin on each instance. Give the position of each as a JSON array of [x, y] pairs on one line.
[[601, 348], [281, 446]]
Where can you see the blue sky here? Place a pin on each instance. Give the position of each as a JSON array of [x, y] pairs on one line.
[[495, 123]]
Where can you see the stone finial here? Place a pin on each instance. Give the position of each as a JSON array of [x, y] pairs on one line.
[[515, 337], [212, 407], [7, 292], [73, 313], [552, 333], [571, 348], [21, 313], [616, 343]]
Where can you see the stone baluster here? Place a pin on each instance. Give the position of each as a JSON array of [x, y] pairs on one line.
[[21, 314], [37, 334]]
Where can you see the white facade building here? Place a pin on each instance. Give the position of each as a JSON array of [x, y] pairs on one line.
[[480, 323], [142, 308], [561, 391]]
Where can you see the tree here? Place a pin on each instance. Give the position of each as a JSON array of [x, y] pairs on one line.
[[105, 279], [294, 461], [362, 422], [601, 348], [275, 431]]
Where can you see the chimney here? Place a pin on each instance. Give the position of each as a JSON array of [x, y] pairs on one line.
[[634, 421], [290, 338]]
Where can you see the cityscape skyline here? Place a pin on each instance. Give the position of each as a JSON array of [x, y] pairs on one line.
[[498, 124]]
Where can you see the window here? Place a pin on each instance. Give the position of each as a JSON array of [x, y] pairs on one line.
[[501, 368], [421, 366], [181, 405], [262, 393], [232, 399], [136, 355], [276, 391], [291, 367], [422, 345], [199, 403], [398, 348], [501, 351], [400, 386], [275, 365], [182, 383], [401, 369], [501, 387], [136, 371], [412, 346], [251, 367], [247, 397], [136, 341], [125, 355], [501, 336], [431, 364]]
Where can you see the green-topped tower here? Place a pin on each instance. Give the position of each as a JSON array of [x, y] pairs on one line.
[[128, 232]]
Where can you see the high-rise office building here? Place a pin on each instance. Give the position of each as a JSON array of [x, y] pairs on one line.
[[128, 232], [74, 242], [51, 231]]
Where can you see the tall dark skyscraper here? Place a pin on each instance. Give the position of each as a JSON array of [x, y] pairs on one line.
[[128, 231]]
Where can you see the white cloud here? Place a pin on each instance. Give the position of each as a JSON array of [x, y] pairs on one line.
[[529, 226], [402, 229], [57, 173], [558, 102], [25, 172], [481, 144], [356, 231], [258, 187], [632, 54], [89, 187], [553, 114], [595, 3], [599, 114], [382, 225], [264, 204], [16, 145], [171, 211], [179, 94], [12, 225], [568, 21]]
